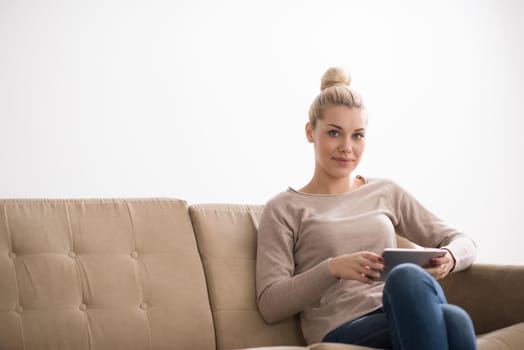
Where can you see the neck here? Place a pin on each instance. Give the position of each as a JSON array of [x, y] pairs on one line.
[[333, 186]]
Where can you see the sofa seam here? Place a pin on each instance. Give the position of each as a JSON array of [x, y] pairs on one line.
[[17, 287], [89, 200], [206, 277], [137, 272], [226, 207], [79, 272]]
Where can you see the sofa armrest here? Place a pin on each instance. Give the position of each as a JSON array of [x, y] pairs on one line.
[[493, 295]]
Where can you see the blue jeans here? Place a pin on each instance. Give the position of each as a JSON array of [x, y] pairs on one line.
[[415, 316]]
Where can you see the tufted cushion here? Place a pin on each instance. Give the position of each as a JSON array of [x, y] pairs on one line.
[[226, 236], [101, 274]]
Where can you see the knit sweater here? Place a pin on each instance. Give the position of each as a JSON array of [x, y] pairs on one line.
[[299, 232]]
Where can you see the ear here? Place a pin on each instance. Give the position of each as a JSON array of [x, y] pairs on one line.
[[309, 132]]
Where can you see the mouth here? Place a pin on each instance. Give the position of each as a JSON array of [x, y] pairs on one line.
[[343, 161]]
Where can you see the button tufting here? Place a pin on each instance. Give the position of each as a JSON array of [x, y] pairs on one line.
[[19, 309], [134, 255], [143, 306], [83, 307], [12, 255], [72, 255]]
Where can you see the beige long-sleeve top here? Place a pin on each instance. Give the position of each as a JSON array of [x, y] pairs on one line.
[[299, 232]]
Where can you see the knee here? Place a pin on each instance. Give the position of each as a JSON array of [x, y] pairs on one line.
[[457, 318], [459, 327], [408, 281], [405, 275]]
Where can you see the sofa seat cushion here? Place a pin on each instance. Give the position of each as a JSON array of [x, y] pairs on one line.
[[319, 346], [507, 338], [511, 337]]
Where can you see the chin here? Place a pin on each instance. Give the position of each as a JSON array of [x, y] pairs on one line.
[[340, 175]]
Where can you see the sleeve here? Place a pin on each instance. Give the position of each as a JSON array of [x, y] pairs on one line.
[[422, 227], [281, 293]]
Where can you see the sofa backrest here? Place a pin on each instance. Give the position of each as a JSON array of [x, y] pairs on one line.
[[226, 237], [101, 274]]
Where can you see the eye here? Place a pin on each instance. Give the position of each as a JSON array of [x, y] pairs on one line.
[[358, 136], [333, 133]]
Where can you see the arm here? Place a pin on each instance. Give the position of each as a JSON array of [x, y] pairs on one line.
[[419, 225], [281, 293], [462, 250]]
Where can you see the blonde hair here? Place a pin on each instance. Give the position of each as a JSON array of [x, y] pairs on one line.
[[334, 91]]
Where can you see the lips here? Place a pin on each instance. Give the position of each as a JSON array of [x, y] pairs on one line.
[[343, 161]]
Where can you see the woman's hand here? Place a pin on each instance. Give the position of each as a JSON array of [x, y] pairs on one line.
[[362, 266], [441, 266]]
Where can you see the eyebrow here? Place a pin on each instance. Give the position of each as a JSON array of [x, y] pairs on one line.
[[340, 128], [335, 126]]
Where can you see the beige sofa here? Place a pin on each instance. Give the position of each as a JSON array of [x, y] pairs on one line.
[[157, 274]]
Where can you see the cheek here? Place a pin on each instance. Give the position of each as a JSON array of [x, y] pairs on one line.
[[361, 148], [327, 147], [320, 151]]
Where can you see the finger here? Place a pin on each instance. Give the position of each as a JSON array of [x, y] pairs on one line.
[[441, 275], [433, 271], [373, 261], [372, 257], [372, 273], [363, 270], [438, 272], [378, 267], [441, 260], [365, 278]]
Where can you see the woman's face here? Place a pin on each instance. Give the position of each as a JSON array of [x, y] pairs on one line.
[[339, 141]]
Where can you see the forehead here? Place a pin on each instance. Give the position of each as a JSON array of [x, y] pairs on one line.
[[344, 117]]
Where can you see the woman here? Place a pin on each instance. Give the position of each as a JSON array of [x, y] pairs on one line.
[[319, 247]]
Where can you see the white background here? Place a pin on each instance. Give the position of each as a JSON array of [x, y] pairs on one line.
[[207, 101]]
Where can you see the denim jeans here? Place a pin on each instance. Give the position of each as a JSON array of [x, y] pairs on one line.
[[415, 315]]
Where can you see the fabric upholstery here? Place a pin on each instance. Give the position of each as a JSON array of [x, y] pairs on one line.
[[101, 274], [226, 236], [129, 274], [492, 294], [319, 346], [511, 337]]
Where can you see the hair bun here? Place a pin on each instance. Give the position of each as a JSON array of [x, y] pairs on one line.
[[335, 76]]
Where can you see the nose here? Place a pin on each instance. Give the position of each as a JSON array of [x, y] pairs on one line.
[[345, 146]]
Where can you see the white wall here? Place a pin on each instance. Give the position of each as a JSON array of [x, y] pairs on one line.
[[206, 101]]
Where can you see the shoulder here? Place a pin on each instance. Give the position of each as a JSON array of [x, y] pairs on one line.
[[382, 184], [395, 194], [386, 188], [280, 212], [286, 207], [280, 200], [277, 204]]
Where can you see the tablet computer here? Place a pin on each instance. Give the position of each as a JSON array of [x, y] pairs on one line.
[[396, 256]]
